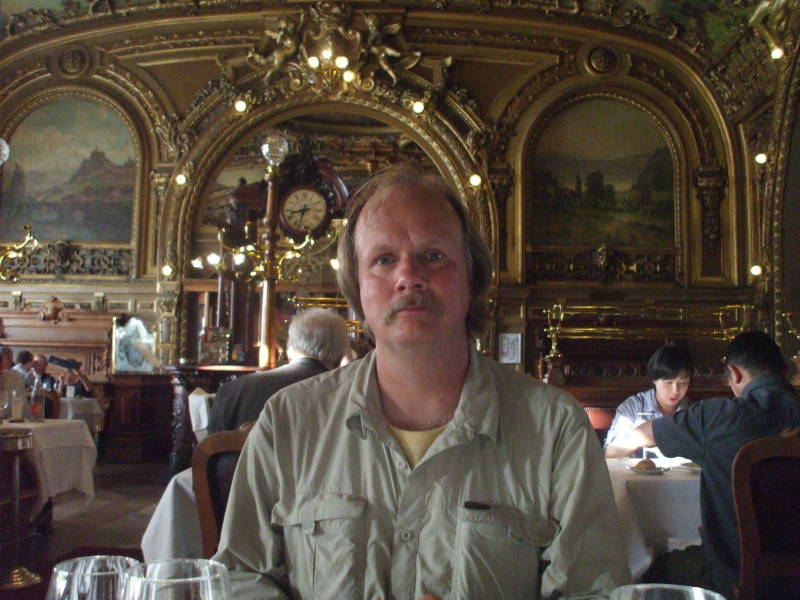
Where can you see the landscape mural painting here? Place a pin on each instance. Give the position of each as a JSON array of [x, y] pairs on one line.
[[603, 173], [71, 175]]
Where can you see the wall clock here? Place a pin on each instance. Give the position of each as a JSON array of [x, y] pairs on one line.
[[304, 211]]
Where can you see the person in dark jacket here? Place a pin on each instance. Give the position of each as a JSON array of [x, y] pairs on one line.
[[317, 342]]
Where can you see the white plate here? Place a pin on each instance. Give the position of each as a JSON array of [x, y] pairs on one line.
[[693, 467], [656, 471]]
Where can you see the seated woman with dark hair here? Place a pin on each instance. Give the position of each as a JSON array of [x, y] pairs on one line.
[[670, 368]]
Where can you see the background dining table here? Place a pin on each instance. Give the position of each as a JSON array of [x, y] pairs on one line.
[[657, 512], [174, 529], [63, 457]]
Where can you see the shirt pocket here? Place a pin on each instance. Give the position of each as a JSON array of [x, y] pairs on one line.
[[325, 539], [497, 553]]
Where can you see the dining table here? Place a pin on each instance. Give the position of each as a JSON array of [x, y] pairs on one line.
[[658, 510], [63, 456]]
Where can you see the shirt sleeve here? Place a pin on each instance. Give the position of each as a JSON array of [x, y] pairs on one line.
[[248, 546], [587, 556], [684, 433]]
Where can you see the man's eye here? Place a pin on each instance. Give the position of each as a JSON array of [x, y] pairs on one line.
[[435, 255], [383, 260]]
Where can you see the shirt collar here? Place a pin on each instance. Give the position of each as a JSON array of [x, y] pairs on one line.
[[477, 412], [764, 381]]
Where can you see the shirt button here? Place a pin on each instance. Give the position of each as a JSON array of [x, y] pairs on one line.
[[406, 535], [401, 464]]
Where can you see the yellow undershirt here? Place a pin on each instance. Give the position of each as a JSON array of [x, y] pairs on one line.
[[415, 443]]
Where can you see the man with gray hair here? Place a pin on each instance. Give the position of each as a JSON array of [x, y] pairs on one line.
[[423, 470], [317, 342]]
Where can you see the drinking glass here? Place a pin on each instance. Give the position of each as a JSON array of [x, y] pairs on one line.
[[89, 578], [663, 591], [642, 417], [179, 579]]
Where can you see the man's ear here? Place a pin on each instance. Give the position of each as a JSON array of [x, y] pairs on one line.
[[735, 373]]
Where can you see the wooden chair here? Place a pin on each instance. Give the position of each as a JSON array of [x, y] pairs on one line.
[[213, 464], [766, 492]]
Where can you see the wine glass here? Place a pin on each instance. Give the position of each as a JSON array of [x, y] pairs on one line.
[[178, 579], [89, 578], [663, 591]]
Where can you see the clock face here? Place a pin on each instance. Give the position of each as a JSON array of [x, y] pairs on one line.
[[304, 211]]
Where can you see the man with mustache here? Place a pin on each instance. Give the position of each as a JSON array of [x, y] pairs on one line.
[[423, 470]]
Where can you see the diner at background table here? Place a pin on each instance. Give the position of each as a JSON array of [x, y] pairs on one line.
[[712, 431], [670, 369]]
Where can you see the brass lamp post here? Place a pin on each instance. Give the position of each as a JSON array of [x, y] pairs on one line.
[[274, 150]]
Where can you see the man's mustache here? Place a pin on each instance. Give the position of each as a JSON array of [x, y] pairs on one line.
[[421, 299]]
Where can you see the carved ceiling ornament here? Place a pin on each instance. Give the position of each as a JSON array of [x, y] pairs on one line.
[[327, 49]]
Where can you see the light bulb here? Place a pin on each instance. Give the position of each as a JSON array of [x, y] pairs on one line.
[[341, 62], [761, 158], [240, 105], [475, 180], [334, 264], [348, 76], [327, 53], [213, 259], [197, 262], [181, 179], [777, 53], [418, 107], [167, 270], [756, 270], [238, 258], [313, 62]]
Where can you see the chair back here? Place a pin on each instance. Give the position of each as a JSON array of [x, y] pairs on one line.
[[213, 464], [766, 493]]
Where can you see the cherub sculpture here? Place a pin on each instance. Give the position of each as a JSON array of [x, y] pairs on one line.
[[276, 46], [382, 50]]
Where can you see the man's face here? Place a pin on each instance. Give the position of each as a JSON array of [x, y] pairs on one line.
[[39, 365], [412, 271]]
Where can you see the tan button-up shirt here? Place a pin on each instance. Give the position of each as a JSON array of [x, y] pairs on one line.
[[511, 501]]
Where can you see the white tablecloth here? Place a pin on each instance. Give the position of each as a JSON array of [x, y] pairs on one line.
[[86, 409], [63, 456], [174, 528], [657, 512], [199, 409]]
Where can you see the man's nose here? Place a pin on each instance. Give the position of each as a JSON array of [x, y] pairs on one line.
[[410, 274]]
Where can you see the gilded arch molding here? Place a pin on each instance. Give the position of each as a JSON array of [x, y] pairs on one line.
[[433, 135]]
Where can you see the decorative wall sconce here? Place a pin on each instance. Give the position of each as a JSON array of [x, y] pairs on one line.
[[10, 272]]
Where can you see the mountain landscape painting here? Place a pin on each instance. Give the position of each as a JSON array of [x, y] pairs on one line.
[[71, 175], [603, 173]]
